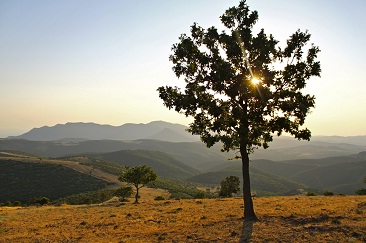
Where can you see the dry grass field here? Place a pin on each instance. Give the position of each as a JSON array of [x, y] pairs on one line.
[[281, 219]]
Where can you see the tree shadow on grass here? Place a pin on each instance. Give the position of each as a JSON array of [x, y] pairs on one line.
[[246, 232]]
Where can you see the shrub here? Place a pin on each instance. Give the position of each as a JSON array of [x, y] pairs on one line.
[[159, 198], [123, 193], [44, 200], [17, 203], [40, 200], [199, 195], [361, 192], [311, 194], [328, 193]]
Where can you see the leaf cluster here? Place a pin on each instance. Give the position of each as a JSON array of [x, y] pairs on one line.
[[138, 176], [218, 68], [229, 185]]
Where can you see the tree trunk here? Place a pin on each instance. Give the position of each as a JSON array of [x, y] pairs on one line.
[[137, 195], [248, 202]]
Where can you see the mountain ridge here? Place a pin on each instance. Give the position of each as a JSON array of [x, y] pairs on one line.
[[160, 130]]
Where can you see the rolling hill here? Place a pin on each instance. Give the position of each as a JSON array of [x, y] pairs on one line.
[[190, 153], [343, 174], [163, 164], [21, 181], [262, 183]]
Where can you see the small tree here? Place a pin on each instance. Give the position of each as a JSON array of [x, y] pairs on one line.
[[40, 200], [123, 193], [229, 185], [138, 176]]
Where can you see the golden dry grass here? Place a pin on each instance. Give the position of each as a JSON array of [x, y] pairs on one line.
[[281, 219]]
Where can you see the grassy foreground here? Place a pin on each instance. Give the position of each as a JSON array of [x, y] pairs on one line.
[[281, 219]]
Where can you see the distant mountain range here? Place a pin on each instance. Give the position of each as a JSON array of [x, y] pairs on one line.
[[157, 130], [75, 138], [324, 163]]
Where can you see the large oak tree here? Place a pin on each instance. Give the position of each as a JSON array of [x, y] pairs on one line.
[[242, 88]]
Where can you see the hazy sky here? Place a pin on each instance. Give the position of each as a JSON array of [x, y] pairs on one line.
[[102, 61]]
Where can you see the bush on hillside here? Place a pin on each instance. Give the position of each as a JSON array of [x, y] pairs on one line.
[[199, 195], [123, 193], [361, 192], [328, 193], [40, 200], [159, 198]]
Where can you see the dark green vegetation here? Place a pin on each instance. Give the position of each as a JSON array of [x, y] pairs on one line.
[[219, 69], [229, 185], [361, 191], [22, 181], [89, 197], [123, 193], [137, 176]]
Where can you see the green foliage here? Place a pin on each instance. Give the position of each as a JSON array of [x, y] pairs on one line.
[[17, 204], [229, 185], [361, 191], [138, 176], [40, 200], [328, 193], [159, 198], [123, 193], [91, 197], [311, 194], [199, 195]]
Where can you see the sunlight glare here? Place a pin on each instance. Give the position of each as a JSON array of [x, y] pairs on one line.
[[255, 81]]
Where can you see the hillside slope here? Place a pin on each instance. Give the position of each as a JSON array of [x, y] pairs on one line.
[[191, 153], [22, 181], [262, 183], [342, 174], [163, 164]]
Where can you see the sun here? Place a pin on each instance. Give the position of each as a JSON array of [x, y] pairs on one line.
[[255, 81]]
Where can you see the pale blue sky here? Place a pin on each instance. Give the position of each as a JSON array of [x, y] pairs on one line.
[[102, 61]]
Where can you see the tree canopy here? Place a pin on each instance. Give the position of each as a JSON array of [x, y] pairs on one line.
[[219, 69], [138, 176], [229, 185]]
